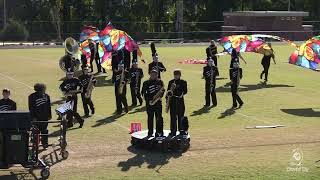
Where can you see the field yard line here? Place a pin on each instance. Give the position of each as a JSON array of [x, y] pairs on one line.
[[30, 87]]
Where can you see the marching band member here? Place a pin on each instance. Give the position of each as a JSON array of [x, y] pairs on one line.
[[87, 80], [265, 62], [156, 64], [136, 74], [177, 88], [210, 72], [6, 104], [120, 78], [93, 51], [153, 90], [70, 87], [235, 56], [98, 62], [40, 110], [235, 74], [212, 51]]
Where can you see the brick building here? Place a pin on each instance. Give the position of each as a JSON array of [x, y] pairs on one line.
[[287, 24]]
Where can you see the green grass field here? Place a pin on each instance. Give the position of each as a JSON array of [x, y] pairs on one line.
[[221, 147]]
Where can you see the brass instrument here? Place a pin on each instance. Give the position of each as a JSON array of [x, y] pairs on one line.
[[169, 94], [157, 97], [89, 88], [137, 82], [71, 50], [122, 82], [211, 80]]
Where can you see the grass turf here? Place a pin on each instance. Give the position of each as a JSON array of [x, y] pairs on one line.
[[221, 147]]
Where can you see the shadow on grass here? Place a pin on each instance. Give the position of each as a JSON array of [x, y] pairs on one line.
[[226, 113], [137, 110], [253, 87], [154, 160], [201, 111], [107, 120], [58, 132], [102, 81], [304, 112]]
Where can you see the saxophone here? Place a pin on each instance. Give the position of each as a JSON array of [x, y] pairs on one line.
[[89, 88], [122, 82], [169, 94], [157, 97], [211, 80], [136, 89]]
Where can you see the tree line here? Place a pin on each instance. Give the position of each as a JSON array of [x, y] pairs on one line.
[[57, 19]]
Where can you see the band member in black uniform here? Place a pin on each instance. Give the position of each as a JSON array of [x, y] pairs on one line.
[[127, 58], [70, 87], [177, 88], [93, 51], [69, 62], [120, 78], [153, 90], [40, 110], [86, 79], [6, 104], [210, 72], [235, 74], [83, 61], [212, 51], [98, 62], [136, 74], [156, 64], [265, 62], [235, 56]]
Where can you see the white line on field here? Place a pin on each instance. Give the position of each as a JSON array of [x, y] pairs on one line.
[[30, 87]]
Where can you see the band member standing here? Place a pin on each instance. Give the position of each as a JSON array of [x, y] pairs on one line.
[[153, 90], [136, 74], [177, 88], [235, 74], [6, 104], [120, 78], [235, 56], [93, 51], [69, 62], [156, 64], [98, 62], [212, 51], [88, 82], [210, 72], [71, 86], [40, 110], [265, 62]]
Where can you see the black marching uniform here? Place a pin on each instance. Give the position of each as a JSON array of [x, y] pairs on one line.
[[210, 73], [158, 66], [72, 85], [7, 105], [265, 62], [121, 99], [136, 74], [69, 63], [85, 79], [40, 110], [176, 104], [211, 52], [93, 50], [149, 89], [97, 58], [235, 76]]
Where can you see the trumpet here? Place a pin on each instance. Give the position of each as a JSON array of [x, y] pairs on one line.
[[157, 97], [169, 94], [89, 88]]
